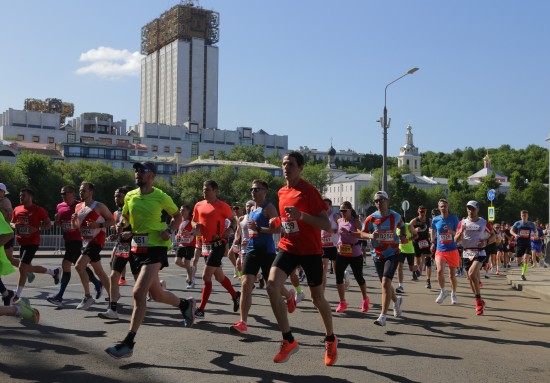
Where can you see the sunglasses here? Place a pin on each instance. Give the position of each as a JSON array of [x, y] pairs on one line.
[[142, 170], [343, 210], [378, 200], [256, 190], [65, 193]]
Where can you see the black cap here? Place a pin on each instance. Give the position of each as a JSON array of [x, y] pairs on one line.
[[146, 165]]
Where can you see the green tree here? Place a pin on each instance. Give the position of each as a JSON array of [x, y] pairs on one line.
[[317, 175]]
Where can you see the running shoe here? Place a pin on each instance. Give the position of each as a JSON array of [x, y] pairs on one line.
[[300, 297], [56, 275], [262, 283], [122, 281], [397, 312], [454, 299], [346, 280], [7, 299], [428, 284], [291, 302], [236, 301], [415, 276], [480, 284], [121, 350], [27, 312], [190, 286], [523, 277], [31, 276], [331, 352], [86, 303], [400, 290], [55, 300], [285, 351], [109, 314], [342, 306], [441, 297], [497, 272], [487, 276], [189, 312], [239, 328], [365, 305], [480, 304], [381, 321], [199, 313], [98, 290]]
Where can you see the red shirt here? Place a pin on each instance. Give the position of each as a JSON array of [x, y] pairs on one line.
[[65, 212], [212, 216], [30, 217], [299, 237]]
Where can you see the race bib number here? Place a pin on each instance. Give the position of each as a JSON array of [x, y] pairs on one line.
[[252, 233], [524, 233], [346, 250], [326, 239], [470, 254], [185, 239], [290, 226], [445, 238], [24, 230], [66, 226], [139, 243], [122, 250], [206, 250], [423, 244], [385, 236], [86, 233]]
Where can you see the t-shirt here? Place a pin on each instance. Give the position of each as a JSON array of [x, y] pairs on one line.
[[475, 231], [6, 267], [445, 229], [29, 217], [387, 244], [408, 247], [524, 230], [212, 217], [145, 214], [65, 212], [299, 237]]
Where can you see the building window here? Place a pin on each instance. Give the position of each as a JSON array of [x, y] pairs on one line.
[[247, 132], [154, 148], [212, 153], [166, 149], [122, 142], [178, 150], [86, 139], [51, 140], [194, 149], [35, 138], [106, 141], [193, 127]]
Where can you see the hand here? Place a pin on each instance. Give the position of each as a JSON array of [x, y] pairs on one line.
[[165, 235], [292, 212]]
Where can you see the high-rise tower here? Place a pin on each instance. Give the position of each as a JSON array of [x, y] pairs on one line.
[[179, 73]]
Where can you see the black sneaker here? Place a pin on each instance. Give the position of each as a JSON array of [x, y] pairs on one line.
[[189, 312], [120, 350], [237, 302], [523, 278], [98, 290], [7, 298], [55, 275], [428, 284], [400, 290], [199, 313]]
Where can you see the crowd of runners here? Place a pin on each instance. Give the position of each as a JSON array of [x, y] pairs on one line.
[[315, 239]]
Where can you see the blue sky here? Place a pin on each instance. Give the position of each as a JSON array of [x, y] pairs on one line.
[[312, 69]]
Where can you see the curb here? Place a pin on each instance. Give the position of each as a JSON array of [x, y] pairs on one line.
[[537, 283]]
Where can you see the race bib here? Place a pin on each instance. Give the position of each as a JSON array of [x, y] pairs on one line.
[[290, 226], [385, 236], [524, 233], [66, 226], [139, 243], [122, 250], [445, 238], [252, 233], [470, 254], [185, 239], [86, 232], [326, 239], [423, 244], [24, 230], [206, 250], [346, 250]]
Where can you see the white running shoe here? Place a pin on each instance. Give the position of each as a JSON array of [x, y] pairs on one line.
[[397, 312], [109, 314], [86, 303], [381, 321], [441, 297], [300, 297], [454, 299]]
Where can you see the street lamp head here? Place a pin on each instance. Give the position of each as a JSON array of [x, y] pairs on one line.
[[411, 71]]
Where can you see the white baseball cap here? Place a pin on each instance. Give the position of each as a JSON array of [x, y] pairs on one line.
[[4, 188], [381, 194], [473, 204]]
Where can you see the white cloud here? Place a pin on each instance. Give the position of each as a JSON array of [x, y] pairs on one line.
[[108, 62]]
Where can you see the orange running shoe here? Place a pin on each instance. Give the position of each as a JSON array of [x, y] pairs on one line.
[[285, 351], [331, 352]]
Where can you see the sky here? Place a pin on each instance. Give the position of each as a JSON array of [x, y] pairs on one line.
[[314, 70]]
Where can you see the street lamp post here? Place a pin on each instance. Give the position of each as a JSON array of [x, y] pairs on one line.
[[385, 125]]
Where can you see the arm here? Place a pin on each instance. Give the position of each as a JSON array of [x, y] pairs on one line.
[[172, 226], [273, 228], [320, 220], [4, 238]]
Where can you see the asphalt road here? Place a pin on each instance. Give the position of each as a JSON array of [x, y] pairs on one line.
[[430, 343]]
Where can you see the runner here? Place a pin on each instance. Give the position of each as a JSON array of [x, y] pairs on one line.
[[27, 220], [473, 233], [406, 252], [421, 243], [7, 210], [536, 245], [330, 239], [262, 223], [446, 253], [142, 211], [349, 254], [6, 268], [522, 231], [73, 244], [381, 228], [303, 215], [209, 217], [185, 238]]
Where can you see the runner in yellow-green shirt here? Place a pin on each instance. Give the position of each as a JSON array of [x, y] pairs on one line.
[[406, 252]]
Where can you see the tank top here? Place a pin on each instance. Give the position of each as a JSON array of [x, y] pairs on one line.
[[88, 214], [330, 238], [260, 240], [348, 246]]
